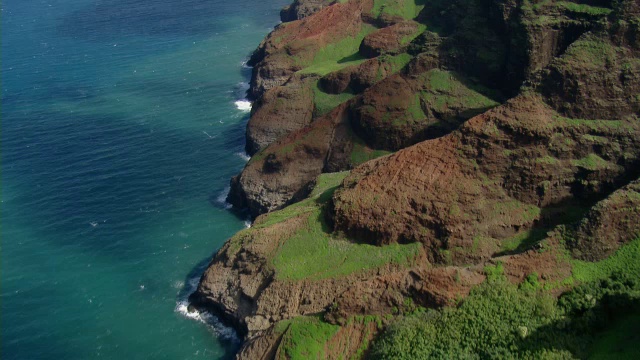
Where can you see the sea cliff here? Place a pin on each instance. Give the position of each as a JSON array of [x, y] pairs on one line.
[[407, 153]]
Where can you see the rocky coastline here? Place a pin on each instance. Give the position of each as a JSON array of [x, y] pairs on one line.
[[399, 148]]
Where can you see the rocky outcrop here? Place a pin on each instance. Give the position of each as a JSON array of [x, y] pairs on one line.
[[389, 40], [291, 105], [302, 8], [358, 78], [292, 46], [284, 97], [608, 225], [405, 109], [596, 80], [285, 171]]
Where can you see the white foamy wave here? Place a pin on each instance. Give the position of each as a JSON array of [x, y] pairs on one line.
[[247, 224], [211, 321], [244, 64], [243, 155], [222, 198], [243, 105]]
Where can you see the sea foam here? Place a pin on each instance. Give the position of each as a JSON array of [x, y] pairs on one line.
[[243, 105], [222, 198], [211, 321], [243, 155]]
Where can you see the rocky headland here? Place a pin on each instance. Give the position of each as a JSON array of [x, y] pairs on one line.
[[406, 151]]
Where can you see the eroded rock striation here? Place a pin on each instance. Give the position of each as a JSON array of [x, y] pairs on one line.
[[401, 147]]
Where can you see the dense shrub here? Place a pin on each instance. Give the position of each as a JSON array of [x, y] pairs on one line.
[[499, 320]]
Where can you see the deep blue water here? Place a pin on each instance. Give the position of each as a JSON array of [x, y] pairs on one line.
[[119, 134]]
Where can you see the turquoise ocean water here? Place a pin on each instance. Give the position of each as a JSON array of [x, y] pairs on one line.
[[119, 134]]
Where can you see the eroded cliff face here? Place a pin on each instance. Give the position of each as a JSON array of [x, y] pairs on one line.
[[516, 139], [413, 73], [302, 8]]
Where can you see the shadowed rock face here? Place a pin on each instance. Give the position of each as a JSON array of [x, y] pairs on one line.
[[596, 80], [508, 122], [292, 106], [302, 8], [285, 171], [608, 225]]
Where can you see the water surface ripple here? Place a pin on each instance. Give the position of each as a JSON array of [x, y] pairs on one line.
[[119, 125]]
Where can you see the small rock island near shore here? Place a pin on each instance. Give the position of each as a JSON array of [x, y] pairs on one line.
[[439, 179]]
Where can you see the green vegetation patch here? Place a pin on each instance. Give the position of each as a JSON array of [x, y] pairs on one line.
[[584, 8], [338, 55], [448, 90], [361, 153], [591, 52], [309, 337], [305, 337], [537, 11], [325, 102], [620, 341], [548, 160], [313, 253], [335, 57], [499, 320], [288, 212], [409, 38], [598, 319], [523, 240], [413, 114], [448, 93], [596, 131], [594, 125], [490, 324], [365, 320], [327, 67], [592, 162], [393, 63], [442, 80], [516, 209], [397, 62], [407, 9], [322, 191], [625, 260]]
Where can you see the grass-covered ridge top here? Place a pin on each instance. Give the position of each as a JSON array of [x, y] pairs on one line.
[[337, 55], [312, 252], [309, 337], [304, 337], [406, 9]]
